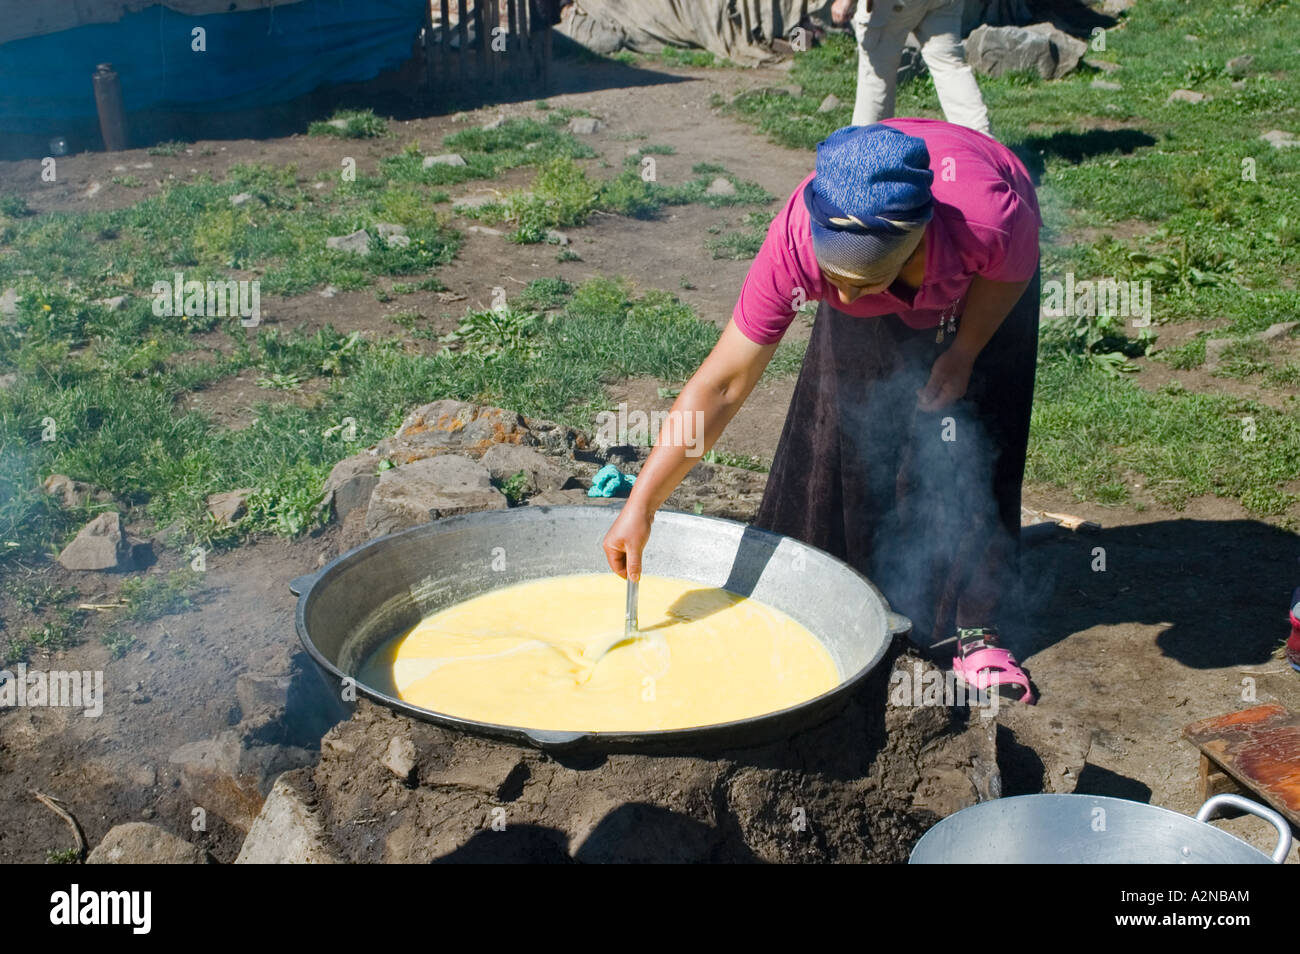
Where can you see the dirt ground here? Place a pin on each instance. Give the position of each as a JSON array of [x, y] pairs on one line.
[[1190, 606]]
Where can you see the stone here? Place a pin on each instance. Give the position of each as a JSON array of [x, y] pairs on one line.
[[1239, 66], [431, 489], [573, 496], [1105, 84], [1278, 330], [503, 461], [399, 758], [996, 50], [9, 302], [350, 483], [1116, 7], [230, 778], [1214, 352], [394, 236], [1061, 746], [337, 123], [475, 201], [229, 506], [444, 159], [99, 545], [721, 186], [484, 230], [286, 831], [456, 427], [494, 123], [1280, 139], [7, 381], [259, 692], [358, 242], [139, 843], [1187, 96], [585, 125], [555, 237], [329, 291], [116, 303], [1069, 49], [240, 199], [829, 104], [73, 493]]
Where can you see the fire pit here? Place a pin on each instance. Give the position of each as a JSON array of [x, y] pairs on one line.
[[383, 588]]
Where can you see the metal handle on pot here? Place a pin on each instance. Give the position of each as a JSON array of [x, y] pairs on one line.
[[301, 584], [1213, 805], [897, 623]]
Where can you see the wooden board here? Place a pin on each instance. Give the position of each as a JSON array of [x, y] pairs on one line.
[[1258, 748]]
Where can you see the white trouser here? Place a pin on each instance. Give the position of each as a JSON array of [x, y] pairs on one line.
[[881, 34]]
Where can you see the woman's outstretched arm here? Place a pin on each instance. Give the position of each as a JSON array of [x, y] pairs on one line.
[[705, 406]]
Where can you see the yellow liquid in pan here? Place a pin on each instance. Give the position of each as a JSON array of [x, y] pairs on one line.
[[515, 656]]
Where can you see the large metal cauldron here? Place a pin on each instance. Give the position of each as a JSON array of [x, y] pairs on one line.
[[1089, 829], [385, 587]]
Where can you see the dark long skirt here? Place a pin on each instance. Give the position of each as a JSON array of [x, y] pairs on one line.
[[925, 504]]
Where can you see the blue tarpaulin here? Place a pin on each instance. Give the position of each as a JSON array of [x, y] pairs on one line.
[[252, 58]]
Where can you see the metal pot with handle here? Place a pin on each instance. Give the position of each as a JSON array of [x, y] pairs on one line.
[[1088, 829]]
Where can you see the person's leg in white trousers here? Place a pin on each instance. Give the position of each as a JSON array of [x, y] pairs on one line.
[[881, 34]]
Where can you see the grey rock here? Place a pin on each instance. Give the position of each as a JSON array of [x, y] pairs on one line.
[[453, 426], [139, 843], [229, 506], [484, 230], [829, 104], [99, 545], [1187, 96], [494, 123], [73, 493], [240, 199], [475, 201], [1239, 66], [1278, 330], [1115, 7], [585, 125], [329, 291], [286, 831], [350, 483], [430, 489], [1214, 352], [1280, 139], [337, 123], [260, 692], [567, 498], [1105, 84], [399, 758], [229, 777], [7, 381], [357, 242], [392, 235], [445, 159], [503, 461], [1069, 49], [9, 302], [996, 50], [116, 303], [556, 237], [720, 186]]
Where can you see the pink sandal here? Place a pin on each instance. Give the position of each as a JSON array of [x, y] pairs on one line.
[[983, 664]]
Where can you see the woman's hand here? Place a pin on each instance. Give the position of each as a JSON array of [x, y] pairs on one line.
[[949, 378], [626, 540]]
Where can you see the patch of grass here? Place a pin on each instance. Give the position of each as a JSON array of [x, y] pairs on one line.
[[1243, 358], [34, 594], [513, 487], [744, 243], [545, 293], [1186, 356], [154, 596], [65, 856], [13, 205], [172, 147], [743, 461], [350, 124], [118, 643]]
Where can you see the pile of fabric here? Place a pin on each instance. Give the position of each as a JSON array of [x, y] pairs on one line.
[[742, 31]]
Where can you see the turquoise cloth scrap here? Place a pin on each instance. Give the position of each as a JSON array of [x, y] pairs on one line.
[[611, 482]]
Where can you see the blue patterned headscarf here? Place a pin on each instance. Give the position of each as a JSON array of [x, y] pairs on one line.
[[869, 201]]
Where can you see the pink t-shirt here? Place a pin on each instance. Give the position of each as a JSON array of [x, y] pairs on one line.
[[985, 222]]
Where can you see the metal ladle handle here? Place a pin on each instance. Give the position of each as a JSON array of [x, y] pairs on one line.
[[1213, 805], [629, 620]]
